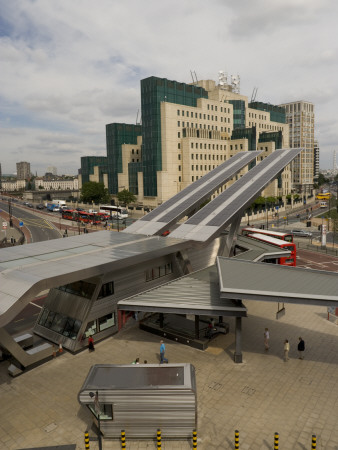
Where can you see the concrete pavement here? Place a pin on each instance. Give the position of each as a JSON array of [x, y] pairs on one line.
[[262, 396]]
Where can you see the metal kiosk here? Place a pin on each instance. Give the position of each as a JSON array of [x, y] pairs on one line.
[[142, 398]]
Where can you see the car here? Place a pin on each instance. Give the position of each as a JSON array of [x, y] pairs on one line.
[[40, 206], [301, 233], [30, 205], [26, 203]]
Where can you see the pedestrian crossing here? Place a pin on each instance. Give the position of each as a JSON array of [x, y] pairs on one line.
[[37, 222]]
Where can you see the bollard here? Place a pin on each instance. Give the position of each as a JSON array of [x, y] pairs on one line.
[[194, 439], [123, 439], [314, 442], [86, 440], [236, 439], [159, 439], [276, 444]]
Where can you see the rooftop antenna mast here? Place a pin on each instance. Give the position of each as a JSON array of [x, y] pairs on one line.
[[254, 93], [138, 122], [194, 77], [334, 162]]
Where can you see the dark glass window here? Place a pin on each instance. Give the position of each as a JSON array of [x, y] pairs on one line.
[[61, 324], [80, 288], [106, 290]]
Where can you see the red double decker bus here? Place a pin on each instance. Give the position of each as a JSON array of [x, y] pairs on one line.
[[68, 214], [86, 217], [283, 260], [288, 237]]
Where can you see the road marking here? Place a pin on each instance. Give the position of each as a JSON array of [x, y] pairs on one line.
[[41, 223], [34, 304]]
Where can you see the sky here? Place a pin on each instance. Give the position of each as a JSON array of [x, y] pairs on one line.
[[68, 68]]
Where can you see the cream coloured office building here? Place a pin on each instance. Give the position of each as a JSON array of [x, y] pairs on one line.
[[190, 140]]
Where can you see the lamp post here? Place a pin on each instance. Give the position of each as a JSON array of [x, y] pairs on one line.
[[98, 412], [267, 215]]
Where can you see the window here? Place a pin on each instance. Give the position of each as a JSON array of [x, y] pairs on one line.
[[106, 321], [182, 113], [179, 134], [60, 323], [179, 156], [91, 328], [178, 112], [179, 179], [179, 146], [178, 123], [80, 288], [106, 290], [179, 168]]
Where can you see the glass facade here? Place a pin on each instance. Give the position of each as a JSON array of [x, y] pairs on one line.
[[246, 133], [272, 136], [118, 134], [79, 288], [239, 113], [61, 324], [277, 113], [154, 91], [87, 167], [133, 169]]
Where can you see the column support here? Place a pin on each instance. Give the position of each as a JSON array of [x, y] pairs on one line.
[[238, 339]]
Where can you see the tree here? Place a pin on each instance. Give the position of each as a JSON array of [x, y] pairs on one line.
[[322, 180], [126, 197], [94, 192]]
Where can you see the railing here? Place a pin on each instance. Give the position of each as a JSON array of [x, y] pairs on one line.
[[318, 248]]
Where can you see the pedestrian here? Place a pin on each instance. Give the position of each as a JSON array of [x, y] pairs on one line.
[[60, 348], [301, 348], [145, 362], [91, 347], [137, 361], [286, 350], [266, 338], [162, 352], [54, 351]]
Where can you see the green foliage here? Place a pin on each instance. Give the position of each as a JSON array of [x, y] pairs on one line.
[[208, 200], [126, 197], [94, 192], [322, 180]]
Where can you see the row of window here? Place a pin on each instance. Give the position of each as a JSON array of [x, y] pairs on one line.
[[100, 324], [61, 324], [160, 271], [215, 146], [260, 116], [223, 129], [133, 151], [84, 289], [191, 113], [214, 157], [264, 125]]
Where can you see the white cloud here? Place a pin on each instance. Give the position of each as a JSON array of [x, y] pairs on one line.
[[69, 68]]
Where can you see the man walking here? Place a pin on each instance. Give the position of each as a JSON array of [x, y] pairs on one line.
[[286, 350], [266, 338], [162, 351], [301, 348]]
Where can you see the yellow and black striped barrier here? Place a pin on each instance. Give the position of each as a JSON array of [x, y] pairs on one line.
[[314, 442], [194, 439], [86, 440], [236, 439], [159, 439], [276, 443], [123, 439]]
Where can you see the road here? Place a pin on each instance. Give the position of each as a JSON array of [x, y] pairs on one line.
[[41, 229]]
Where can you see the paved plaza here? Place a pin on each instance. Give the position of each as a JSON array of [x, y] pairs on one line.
[[262, 396]]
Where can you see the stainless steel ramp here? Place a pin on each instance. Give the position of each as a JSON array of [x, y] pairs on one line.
[[25, 358], [191, 197], [209, 222]]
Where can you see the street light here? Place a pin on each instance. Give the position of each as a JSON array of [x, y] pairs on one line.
[[98, 412]]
